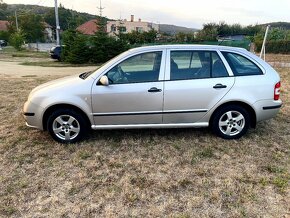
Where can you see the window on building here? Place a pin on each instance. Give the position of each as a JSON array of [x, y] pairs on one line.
[[139, 29], [113, 28], [122, 29]]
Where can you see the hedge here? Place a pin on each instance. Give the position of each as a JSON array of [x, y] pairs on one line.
[[279, 46]]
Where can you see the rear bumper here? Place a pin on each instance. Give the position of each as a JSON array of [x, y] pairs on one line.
[[267, 109], [272, 107]]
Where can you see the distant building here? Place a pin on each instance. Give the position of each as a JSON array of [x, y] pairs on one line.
[[240, 37], [115, 27], [4, 25], [48, 32], [88, 28], [124, 26]]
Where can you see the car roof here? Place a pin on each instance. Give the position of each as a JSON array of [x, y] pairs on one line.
[[186, 46]]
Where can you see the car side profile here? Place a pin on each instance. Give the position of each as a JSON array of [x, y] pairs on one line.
[[167, 86]]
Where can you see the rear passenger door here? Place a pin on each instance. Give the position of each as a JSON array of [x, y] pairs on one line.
[[195, 82]]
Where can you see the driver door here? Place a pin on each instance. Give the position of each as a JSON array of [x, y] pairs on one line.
[[134, 94]]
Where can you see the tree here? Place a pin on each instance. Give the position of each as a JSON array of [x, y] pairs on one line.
[[30, 24], [76, 49], [208, 33], [3, 10], [17, 40], [103, 46]]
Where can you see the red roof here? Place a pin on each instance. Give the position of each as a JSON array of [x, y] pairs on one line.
[[88, 28], [3, 25]]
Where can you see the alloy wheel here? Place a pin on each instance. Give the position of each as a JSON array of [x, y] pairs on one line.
[[231, 123], [66, 127]]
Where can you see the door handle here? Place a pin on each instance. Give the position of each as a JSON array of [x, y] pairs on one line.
[[219, 86], [154, 89]]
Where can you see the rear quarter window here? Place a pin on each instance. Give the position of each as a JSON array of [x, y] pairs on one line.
[[241, 66]]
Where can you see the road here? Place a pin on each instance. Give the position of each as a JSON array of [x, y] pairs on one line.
[[14, 69]]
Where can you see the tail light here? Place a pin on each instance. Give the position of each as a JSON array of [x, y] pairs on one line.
[[277, 91]]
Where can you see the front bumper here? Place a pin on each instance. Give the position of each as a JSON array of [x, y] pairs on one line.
[[32, 114]]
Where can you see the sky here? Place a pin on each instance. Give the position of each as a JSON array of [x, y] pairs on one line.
[[188, 13]]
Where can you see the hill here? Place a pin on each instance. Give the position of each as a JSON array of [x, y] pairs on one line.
[[282, 25], [78, 17], [172, 29]]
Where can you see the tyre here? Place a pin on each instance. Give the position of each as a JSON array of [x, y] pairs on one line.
[[231, 122], [66, 126]]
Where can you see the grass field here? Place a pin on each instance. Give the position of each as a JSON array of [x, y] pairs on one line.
[[136, 173]]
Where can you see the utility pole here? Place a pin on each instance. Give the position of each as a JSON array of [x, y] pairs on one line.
[[16, 22], [100, 9], [56, 22], [263, 49]]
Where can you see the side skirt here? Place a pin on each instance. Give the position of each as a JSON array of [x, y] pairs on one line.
[[152, 126]]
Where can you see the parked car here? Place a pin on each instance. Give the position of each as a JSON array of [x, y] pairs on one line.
[[173, 86], [3, 43], [55, 52]]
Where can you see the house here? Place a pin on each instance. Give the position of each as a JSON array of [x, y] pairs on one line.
[[48, 32], [115, 27], [124, 26], [4, 25], [88, 28]]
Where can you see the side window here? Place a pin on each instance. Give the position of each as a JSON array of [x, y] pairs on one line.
[[196, 65], [241, 66], [140, 68], [218, 67]]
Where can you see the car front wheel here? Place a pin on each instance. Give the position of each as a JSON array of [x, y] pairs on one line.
[[66, 126], [231, 122]]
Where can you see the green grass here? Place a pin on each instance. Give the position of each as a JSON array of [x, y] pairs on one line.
[[12, 52]]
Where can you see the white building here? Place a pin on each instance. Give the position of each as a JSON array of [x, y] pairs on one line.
[[124, 26]]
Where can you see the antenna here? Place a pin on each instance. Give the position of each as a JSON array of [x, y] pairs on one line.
[[100, 9]]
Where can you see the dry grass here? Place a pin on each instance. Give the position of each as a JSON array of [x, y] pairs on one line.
[[278, 57], [155, 173]]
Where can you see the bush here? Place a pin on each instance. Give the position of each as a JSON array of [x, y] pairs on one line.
[[99, 48], [279, 46], [76, 50], [4, 35], [17, 40]]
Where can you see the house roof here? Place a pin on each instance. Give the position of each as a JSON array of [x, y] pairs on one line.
[[88, 28], [3, 25], [46, 25]]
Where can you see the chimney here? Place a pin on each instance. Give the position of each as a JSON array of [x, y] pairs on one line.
[[132, 18], [139, 19]]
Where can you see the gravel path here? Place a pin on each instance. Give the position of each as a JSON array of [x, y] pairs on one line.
[[14, 69]]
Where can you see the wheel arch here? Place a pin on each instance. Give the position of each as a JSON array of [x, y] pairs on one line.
[[252, 113], [55, 107]]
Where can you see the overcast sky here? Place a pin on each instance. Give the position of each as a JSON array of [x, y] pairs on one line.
[[189, 13]]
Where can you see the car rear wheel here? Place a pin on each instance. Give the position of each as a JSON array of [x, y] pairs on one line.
[[66, 126], [231, 122]]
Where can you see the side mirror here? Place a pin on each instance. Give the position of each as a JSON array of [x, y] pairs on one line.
[[104, 81]]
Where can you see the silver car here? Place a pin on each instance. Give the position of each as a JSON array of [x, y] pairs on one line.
[[168, 86]]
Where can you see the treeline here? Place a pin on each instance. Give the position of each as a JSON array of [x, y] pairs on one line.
[[69, 19], [100, 47]]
